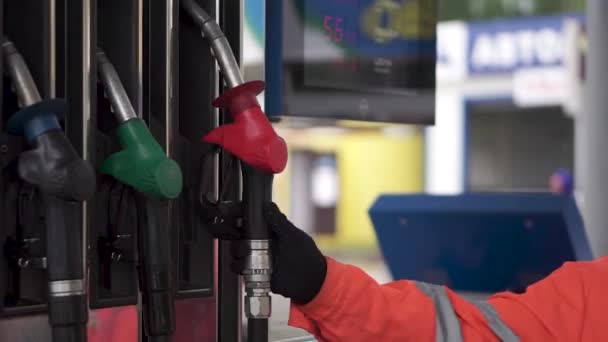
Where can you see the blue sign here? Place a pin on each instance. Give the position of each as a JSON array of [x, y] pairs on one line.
[[505, 46]]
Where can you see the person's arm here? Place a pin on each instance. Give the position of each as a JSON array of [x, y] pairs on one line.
[[338, 302], [351, 306], [569, 305]]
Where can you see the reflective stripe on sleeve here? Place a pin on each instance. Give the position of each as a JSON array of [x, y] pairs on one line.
[[447, 325], [500, 329]]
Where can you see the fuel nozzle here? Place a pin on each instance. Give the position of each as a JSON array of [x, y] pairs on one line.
[[52, 164], [263, 153], [142, 163], [64, 179]]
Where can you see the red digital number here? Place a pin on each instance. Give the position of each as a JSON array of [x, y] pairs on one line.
[[327, 26], [333, 32], [339, 33]]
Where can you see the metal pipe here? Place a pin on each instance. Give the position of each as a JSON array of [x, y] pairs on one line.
[[595, 122], [219, 44], [24, 84], [123, 109]]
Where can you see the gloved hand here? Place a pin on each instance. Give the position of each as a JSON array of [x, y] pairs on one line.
[[299, 268]]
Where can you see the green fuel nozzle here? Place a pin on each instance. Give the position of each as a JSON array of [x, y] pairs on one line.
[[142, 163]]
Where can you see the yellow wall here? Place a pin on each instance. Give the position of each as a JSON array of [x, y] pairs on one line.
[[370, 162]]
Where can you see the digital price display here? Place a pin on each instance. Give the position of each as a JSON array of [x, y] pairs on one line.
[[370, 60]]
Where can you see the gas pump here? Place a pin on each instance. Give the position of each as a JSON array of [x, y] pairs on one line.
[[64, 181], [143, 165], [262, 152]]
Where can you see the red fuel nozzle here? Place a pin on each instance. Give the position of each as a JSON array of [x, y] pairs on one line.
[[250, 137]]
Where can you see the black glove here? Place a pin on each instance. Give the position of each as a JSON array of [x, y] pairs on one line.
[[299, 268]]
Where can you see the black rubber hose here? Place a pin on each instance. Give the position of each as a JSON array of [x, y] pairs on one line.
[[196, 12], [159, 339], [156, 281], [257, 330], [67, 299], [69, 334], [257, 192]]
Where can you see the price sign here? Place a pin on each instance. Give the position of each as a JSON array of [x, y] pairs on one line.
[[366, 51]]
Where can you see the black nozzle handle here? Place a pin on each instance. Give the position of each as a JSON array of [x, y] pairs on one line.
[[54, 166], [257, 193], [155, 276], [65, 266]]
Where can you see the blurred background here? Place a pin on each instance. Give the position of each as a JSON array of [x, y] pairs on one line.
[[503, 121], [510, 77], [491, 197]]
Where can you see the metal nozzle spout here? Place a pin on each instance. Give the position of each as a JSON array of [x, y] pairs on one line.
[[123, 109], [219, 44], [26, 88], [258, 307], [257, 276]]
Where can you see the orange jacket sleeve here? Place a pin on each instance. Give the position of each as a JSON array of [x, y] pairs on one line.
[[566, 306], [351, 306], [569, 305]]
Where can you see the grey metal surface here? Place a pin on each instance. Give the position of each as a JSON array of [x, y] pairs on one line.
[[22, 79], [122, 107], [219, 44], [595, 121], [33, 328], [257, 275], [258, 264], [63, 288], [228, 66]]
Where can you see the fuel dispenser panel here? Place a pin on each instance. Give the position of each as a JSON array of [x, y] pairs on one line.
[[22, 231], [169, 78], [113, 220], [198, 87]]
